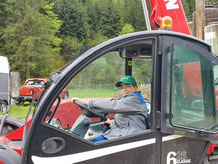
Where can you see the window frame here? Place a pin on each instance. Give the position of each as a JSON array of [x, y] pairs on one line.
[[80, 64], [165, 115]]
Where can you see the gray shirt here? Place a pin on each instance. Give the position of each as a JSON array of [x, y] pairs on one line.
[[129, 118]]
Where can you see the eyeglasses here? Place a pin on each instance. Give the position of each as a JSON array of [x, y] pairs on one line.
[[126, 87]]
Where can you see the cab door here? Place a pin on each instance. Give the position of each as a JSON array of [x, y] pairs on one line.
[[188, 98], [62, 133]]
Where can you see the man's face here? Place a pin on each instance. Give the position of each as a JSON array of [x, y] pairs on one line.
[[127, 89]]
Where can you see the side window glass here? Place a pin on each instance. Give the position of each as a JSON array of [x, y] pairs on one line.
[[142, 71], [191, 90], [97, 81]]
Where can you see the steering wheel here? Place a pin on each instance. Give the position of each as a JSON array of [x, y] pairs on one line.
[[90, 112]]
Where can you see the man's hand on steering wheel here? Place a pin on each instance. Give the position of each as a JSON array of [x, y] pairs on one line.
[[108, 122], [85, 102], [88, 111]]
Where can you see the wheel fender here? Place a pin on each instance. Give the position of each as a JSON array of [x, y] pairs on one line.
[[3, 101], [13, 121], [6, 121], [9, 156]]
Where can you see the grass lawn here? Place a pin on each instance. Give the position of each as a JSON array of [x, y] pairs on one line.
[[18, 111], [93, 93]]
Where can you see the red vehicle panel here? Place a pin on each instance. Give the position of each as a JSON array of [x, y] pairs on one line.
[[174, 9], [212, 148], [67, 114]]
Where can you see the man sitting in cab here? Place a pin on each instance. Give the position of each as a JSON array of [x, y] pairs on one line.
[[130, 111]]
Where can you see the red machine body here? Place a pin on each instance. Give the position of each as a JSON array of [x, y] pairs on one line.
[[172, 8], [63, 116]]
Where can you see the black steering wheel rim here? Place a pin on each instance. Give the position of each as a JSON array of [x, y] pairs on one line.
[[90, 112]]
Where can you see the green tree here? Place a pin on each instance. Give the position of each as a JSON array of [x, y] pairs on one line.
[[134, 14], [120, 6], [98, 38], [94, 16], [186, 8], [3, 18], [110, 20], [30, 41], [74, 17], [3, 15], [127, 28], [191, 7], [70, 47]]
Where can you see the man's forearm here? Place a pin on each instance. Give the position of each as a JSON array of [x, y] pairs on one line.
[[83, 101]]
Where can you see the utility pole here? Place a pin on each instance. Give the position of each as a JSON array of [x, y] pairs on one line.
[[200, 18]]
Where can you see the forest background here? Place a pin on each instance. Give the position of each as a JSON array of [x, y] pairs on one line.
[[41, 36]]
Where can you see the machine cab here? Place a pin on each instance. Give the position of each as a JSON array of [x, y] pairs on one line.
[[176, 75]]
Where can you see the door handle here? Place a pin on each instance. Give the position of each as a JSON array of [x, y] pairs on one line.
[[53, 145]]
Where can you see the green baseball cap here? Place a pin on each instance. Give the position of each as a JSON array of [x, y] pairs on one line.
[[126, 80]]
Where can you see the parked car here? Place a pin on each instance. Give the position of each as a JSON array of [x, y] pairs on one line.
[[30, 88]]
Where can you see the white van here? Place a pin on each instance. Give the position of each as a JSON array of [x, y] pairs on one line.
[[4, 84]]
